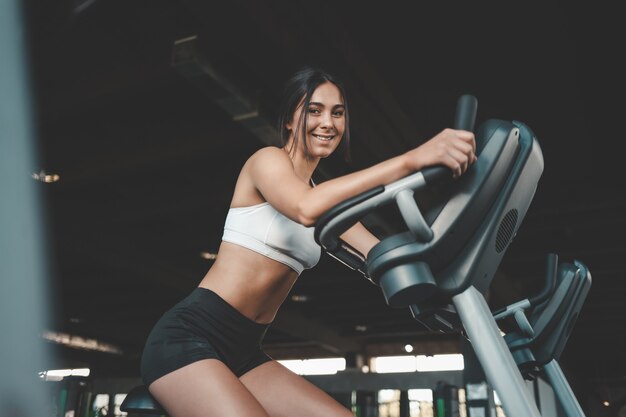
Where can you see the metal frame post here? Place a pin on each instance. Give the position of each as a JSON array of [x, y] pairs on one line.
[[494, 355]]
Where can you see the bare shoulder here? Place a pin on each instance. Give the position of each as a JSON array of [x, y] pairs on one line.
[[261, 167], [269, 160], [269, 154]]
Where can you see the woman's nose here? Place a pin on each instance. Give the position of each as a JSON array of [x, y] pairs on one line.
[[327, 120]]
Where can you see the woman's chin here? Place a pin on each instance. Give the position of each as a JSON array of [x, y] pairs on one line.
[[323, 151], [321, 154]]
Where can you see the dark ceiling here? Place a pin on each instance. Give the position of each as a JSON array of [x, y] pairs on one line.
[[143, 108]]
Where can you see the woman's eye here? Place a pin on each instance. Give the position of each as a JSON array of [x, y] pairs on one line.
[[338, 114], [314, 110]]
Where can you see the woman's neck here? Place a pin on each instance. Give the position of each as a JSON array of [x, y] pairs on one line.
[[302, 166]]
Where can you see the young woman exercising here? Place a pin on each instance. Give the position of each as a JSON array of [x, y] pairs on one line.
[[203, 357]]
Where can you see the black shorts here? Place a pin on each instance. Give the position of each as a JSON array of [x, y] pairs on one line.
[[202, 326]]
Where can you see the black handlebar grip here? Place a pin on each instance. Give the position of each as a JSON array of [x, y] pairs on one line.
[[465, 116], [464, 119], [435, 174]]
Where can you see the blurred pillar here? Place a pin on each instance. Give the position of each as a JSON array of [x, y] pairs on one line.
[[23, 273]]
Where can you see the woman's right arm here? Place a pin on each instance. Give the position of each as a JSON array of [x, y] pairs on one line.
[[273, 175]]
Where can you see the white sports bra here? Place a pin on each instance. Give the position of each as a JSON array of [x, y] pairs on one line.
[[263, 229]]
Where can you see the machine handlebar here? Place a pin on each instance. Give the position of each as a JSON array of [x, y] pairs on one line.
[[344, 215]]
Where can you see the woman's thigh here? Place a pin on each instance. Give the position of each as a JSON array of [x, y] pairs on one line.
[[282, 393], [204, 389]]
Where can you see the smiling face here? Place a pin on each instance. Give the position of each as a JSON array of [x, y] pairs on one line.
[[325, 122]]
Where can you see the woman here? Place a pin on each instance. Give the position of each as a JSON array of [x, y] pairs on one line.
[[203, 357]]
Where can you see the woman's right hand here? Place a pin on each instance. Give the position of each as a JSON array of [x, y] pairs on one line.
[[455, 149]]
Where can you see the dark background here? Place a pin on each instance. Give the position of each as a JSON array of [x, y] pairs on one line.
[[148, 152]]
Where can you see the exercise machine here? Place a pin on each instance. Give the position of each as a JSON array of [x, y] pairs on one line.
[[443, 265]]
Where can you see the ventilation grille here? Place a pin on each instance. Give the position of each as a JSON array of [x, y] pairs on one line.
[[506, 229]]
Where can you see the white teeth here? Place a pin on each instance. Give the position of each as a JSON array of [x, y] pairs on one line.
[[324, 138]]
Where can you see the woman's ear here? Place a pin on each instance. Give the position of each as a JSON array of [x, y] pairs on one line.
[[291, 123]]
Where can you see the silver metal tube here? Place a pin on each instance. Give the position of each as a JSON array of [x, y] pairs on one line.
[[563, 390], [413, 216], [494, 355], [412, 182]]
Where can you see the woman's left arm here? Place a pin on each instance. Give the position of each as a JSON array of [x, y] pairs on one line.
[[360, 238]]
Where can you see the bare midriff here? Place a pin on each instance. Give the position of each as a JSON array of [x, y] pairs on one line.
[[253, 284]]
